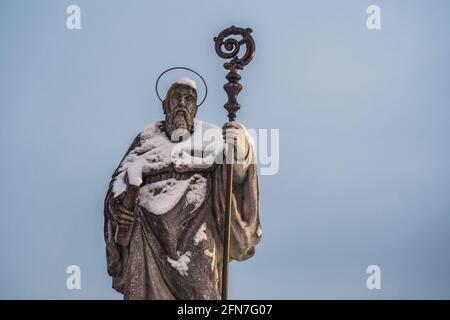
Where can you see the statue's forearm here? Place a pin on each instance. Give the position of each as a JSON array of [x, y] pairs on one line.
[[112, 204], [242, 162]]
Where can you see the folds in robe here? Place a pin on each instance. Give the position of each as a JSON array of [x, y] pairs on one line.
[[175, 249]]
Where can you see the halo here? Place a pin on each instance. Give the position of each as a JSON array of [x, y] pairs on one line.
[[184, 68]]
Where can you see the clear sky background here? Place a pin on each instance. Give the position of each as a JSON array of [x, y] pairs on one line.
[[364, 120]]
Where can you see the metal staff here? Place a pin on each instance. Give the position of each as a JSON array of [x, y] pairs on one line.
[[232, 88]]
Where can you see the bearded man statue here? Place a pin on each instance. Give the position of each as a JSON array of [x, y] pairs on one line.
[[164, 208]]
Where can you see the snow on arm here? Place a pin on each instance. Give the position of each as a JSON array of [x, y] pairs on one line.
[[160, 197]]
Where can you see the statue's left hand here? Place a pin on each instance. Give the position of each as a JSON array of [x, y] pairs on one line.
[[233, 133]]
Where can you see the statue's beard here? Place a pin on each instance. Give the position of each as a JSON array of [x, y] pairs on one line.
[[179, 123]]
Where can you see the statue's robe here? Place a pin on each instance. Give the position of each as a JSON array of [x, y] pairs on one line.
[[176, 245]]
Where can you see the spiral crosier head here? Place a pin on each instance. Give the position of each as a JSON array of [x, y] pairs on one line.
[[232, 48]]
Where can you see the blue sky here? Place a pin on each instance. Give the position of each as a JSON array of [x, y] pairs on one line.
[[363, 117]]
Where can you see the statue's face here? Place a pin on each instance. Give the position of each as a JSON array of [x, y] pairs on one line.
[[180, 110]]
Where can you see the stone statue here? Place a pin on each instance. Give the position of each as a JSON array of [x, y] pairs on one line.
[[164, 209]]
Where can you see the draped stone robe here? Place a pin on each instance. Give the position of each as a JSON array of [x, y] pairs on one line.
[[176, 245]]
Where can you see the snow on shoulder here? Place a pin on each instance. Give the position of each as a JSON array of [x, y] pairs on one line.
[[156, 152]]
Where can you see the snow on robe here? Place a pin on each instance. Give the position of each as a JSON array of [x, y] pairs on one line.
[[176, 247]]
